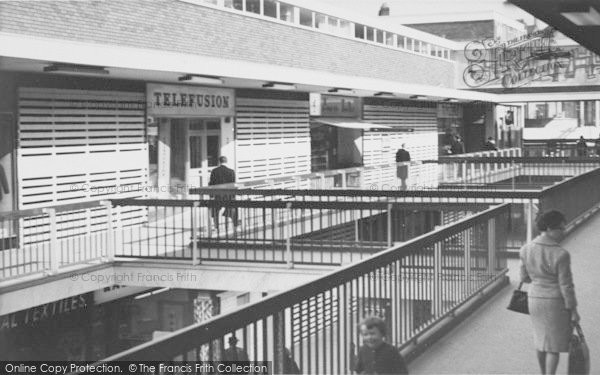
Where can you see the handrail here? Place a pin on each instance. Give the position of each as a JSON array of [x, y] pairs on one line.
[[182, 340], [514, 159], [19, 214]]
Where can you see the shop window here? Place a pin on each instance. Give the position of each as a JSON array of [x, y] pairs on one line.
[[570, 109], [306, 17], [270, 8], [213, 150], [235, 4], [253, 6], [333, 24], [446, 54], [359, 31], [286, 12], [432, 50]]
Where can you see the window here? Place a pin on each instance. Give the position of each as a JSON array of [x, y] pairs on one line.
[[370, 34], [235, 4], [270, 8], [447, 54], [432, 50], [589, 112], [286, 12], [570, 109], [379, 36], [306, 17], [253, 6], [333, 24], [345, 28], [401, 41], [389, 39], [359, 31]]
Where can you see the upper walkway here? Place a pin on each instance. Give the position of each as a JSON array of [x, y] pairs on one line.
[[496, 341]]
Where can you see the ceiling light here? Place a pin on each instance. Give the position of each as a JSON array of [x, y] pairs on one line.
[[341, 90], [384, 93], [153, 293], [74, 68], [279, 86], [418, 97], [207, 80], [451, 100], [589, 18]]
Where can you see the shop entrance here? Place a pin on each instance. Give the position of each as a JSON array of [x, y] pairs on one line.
[[186, 151]]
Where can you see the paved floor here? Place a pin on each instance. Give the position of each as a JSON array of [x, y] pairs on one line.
[[497, 341]]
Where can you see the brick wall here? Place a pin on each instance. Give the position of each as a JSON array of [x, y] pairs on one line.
[[176, 26]]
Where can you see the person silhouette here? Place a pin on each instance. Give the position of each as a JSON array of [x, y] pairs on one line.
[[3, 183]]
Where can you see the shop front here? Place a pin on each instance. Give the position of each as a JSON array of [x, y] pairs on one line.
[[336, 132], [189, 128]]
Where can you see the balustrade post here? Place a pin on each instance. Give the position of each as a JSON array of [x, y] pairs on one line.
[[55, 253], [467, 250], [529, 216], [110, 233], [278, 342], [288, 236], [196, 256], [389, 224], [491, 246], [344, 182], [437, 285]]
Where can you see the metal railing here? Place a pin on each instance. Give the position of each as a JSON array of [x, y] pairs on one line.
[[413, 287], [276, 231], [47, 239], [560, 148]]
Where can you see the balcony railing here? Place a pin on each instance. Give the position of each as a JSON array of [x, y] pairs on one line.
[[416, 287], [560, 148]]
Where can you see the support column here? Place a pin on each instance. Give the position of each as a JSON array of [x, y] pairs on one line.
[[529, 218]]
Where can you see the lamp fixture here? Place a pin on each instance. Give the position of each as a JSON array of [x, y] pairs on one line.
[[589, 18], [74, 68], [450, 100], [417, 97], [207, 80], [152, 293], [279, 86], [341, 90], [384, 93]]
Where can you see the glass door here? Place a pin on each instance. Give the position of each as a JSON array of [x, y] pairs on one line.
[[204, 149]]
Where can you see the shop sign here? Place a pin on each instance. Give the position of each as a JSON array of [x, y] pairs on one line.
[[111, 293], [189, 101], [44, 312], [334, 106]]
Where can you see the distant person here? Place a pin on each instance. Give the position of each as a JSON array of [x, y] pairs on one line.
[[597, 146], [402, 156], [3, 183], [234, 353], [581, 147], [377, 356], [457, 146], [490, 145], [289, 365], [223, 175]]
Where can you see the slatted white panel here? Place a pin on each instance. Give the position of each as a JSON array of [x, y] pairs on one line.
[[78, 146], [421, 119], [273, 138]]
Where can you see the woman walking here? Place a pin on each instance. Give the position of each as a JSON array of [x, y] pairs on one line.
[[552, 303]]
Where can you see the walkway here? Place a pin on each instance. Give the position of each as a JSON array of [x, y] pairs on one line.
[[496, 341]]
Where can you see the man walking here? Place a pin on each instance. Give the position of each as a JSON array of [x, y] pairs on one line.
[[223, 175], [402, 156]]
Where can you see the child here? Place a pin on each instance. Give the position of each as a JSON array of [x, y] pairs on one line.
[[377, 356]]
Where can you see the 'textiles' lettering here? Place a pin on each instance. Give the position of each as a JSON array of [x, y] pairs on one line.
[[172, 99]]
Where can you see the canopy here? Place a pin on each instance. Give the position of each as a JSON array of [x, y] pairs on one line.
[[350, 123]]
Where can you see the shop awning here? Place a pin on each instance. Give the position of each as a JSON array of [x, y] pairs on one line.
[[350, 123]]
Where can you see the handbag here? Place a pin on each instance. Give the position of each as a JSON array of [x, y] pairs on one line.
[[579, 354], [518, 302]]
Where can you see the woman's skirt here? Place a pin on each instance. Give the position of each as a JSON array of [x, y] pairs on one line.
[[552, 328]]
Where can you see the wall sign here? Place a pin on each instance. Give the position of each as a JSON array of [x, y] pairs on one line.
[[189, 101], [334, 105], [44, 312]]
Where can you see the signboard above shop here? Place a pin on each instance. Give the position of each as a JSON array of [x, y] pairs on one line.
[[334, 105], [189, 101]]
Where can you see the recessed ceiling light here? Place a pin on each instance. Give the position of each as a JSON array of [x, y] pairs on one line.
[[418, 97], [384, 93], [207, 80], [279, 86], [341, 90], [74, 68]]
